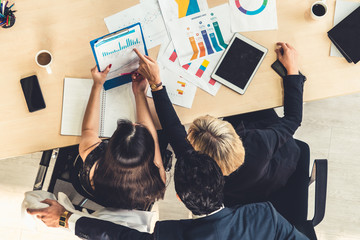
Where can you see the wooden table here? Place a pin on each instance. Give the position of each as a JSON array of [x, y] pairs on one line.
[[66, 27]]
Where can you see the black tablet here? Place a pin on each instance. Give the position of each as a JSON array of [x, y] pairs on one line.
[[239, 63]]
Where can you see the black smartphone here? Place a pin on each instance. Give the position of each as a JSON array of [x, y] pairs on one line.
[[32, 92], [279, 68]]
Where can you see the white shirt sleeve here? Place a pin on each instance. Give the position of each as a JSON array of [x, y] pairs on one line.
[[72, 221]]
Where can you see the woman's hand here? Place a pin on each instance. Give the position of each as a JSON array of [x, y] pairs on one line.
[[148, 68], [99, 77], [50, 215], [288, 56], [139, 83]]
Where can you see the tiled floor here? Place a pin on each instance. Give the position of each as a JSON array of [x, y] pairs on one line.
[[331, 128]]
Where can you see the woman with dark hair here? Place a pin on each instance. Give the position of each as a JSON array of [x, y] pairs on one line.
[[125, 171]]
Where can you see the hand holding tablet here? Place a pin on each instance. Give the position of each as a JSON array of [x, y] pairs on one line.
[[239, 63]]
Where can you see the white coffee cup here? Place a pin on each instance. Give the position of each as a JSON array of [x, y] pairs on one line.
[[318, 9], [44, 58]]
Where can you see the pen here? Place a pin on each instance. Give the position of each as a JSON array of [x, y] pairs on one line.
[[11, 5], [2, 15]]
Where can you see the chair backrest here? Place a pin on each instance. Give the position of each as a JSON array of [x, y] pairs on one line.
[[292, 200]]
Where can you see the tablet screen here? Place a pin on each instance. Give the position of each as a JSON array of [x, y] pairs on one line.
[[239, 63]]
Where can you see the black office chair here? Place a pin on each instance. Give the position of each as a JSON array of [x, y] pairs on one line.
[[292, 200]]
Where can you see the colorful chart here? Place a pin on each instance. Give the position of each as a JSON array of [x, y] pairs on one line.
[[253, 15], [181, 83], [248, 12], [173, 56], [186, 66], [215, 43], [202, 68], [209, 32], [181, 92], [207, 39], [194, 48], [212, 81], [202, 34], [207, 42], [219, 34], [187, 7], [188, 71]]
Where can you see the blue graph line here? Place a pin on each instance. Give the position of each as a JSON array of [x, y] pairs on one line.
[[214, 42], [207, 42]]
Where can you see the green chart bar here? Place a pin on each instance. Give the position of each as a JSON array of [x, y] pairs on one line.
[[219, 35]]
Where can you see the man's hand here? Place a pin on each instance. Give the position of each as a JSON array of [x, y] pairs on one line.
[[148, 68], [288, 56], [99, 77], [50, 215]]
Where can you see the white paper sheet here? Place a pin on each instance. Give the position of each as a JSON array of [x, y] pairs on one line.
[[191, 71], [118, 103], [253, 15], [342, 10], [202, 34], [148, 14], [180, 91]]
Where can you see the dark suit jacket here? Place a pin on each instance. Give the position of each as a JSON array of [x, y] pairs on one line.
[[253, 221], [271, 154]]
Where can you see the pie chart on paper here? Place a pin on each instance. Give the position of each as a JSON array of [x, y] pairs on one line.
[[251, 7], [253, 15]]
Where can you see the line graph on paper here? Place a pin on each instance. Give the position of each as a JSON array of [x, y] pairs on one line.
[[148, 14]]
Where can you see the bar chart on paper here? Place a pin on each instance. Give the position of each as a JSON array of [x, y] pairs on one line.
[[179, 90], [197, 72], [202, 34], [117, 49], [129, 43]]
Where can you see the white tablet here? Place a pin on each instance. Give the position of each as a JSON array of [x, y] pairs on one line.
[[239, 63]]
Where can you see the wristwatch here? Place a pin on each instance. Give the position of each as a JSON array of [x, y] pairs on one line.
[[154, 86], [63, 218]]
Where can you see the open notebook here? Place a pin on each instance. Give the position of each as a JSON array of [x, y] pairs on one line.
[[116, 103]]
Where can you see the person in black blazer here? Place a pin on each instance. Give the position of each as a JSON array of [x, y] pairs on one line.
[[255, 151], [199, 184]]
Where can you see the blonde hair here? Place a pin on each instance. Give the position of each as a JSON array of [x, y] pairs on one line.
[[219, 140]]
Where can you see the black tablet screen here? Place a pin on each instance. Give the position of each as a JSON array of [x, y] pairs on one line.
[[239, 63]]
